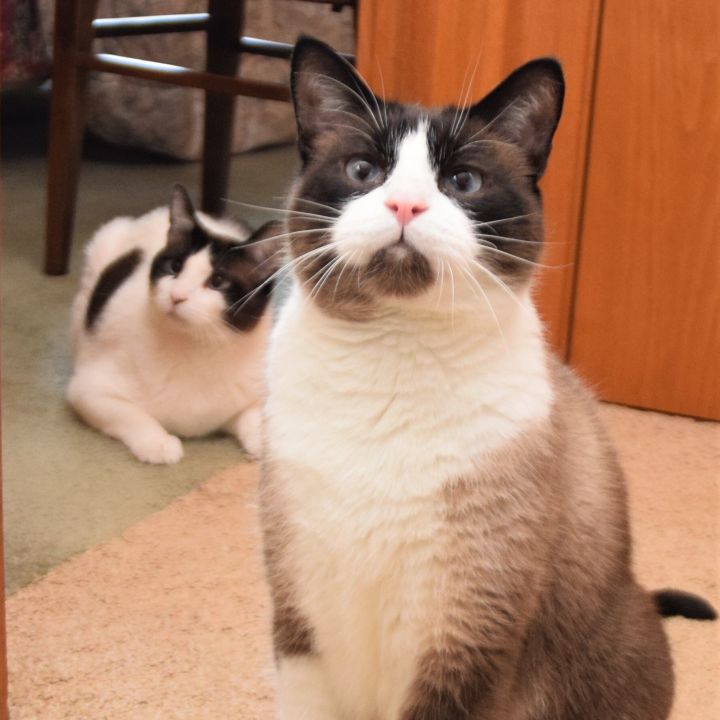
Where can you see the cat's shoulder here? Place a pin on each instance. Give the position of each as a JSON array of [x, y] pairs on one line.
[[569, 387], [576, 408]]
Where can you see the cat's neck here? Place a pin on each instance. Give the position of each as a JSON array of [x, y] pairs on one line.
[[502, 330], [398, 347], [406, 376]]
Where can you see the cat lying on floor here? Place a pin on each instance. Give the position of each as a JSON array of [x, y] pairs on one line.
[[170, 327]]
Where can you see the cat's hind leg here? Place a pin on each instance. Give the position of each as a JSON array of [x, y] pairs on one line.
[[120, 418]]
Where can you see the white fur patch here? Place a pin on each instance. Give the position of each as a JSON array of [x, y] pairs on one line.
[[367, 422], [221, 228]]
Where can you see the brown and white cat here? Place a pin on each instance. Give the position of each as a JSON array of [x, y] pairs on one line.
[[445, 522]]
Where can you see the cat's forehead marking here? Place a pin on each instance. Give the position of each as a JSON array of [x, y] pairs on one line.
[[412, 177], [196, 269]]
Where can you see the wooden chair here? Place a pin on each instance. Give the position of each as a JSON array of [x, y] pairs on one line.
[[75, 30]]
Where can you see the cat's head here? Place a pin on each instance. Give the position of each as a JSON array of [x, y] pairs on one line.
[[398, 203], [213, 272]]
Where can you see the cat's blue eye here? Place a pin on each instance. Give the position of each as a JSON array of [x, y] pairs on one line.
[[362, 171], [465, 181], [216, 281]]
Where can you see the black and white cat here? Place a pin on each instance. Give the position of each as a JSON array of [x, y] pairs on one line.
[[170, 327]]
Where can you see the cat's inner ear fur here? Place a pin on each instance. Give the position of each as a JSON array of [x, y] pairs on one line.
[[326, 91], [525, 109], [182, 215]]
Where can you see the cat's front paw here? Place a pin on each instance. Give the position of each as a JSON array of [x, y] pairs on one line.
[[249, 431], [163, 449]]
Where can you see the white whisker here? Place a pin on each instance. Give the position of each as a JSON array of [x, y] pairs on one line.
[[318, 204], [372, 140], [278, 237], [452, 305], [500, 284], [332, 264], [489, 124], [362, 100], [347, 262], [299, 213], [382, 90], [441, 285], [473, 282], [493, 249], [355, 116], [465, 112], [291, 264], [508, 219]]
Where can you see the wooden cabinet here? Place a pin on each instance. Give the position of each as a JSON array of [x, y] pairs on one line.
[[646, 327], [632, 193]]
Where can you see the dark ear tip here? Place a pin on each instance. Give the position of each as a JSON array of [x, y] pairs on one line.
[[307, 44], [180, 202], [179, 190], [550, 67], [304, 41]]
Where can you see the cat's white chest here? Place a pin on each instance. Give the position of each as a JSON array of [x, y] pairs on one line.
[[213, 383], [368, 423]]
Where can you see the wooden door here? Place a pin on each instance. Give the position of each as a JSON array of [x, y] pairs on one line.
[[426, 51], [646, 328]]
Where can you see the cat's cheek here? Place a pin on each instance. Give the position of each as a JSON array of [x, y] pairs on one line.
[[161, 296]]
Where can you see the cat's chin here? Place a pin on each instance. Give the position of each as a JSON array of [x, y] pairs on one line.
[[399, 270], [173, 319]]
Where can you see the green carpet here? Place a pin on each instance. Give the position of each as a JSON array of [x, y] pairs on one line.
[[66, 487]]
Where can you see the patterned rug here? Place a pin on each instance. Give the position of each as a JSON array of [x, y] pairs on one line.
[[170, 621]]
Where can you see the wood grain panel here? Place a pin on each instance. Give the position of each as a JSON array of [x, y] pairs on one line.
[[647, 321], [428, 51]]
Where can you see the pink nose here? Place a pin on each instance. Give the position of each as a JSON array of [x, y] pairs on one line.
[[177, 298], [405, 210]]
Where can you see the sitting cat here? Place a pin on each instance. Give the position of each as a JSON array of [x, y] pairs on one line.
[[445, 522], [170, 327]]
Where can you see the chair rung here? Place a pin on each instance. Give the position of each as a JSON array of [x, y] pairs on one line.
[[150, 25], [177, 75], [271, 48], [268, 48]]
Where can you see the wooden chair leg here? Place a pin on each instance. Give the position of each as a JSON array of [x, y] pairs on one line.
[[73, 34], [226, 24]]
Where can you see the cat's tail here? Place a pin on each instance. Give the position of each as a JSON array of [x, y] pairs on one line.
[[676, 602]]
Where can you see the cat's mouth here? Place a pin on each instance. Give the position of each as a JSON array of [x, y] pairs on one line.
[[400, 269], [400, 248]]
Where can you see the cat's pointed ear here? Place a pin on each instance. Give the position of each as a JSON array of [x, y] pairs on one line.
[[525, 109], [264, 248], [325, 87], [182, 214]]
